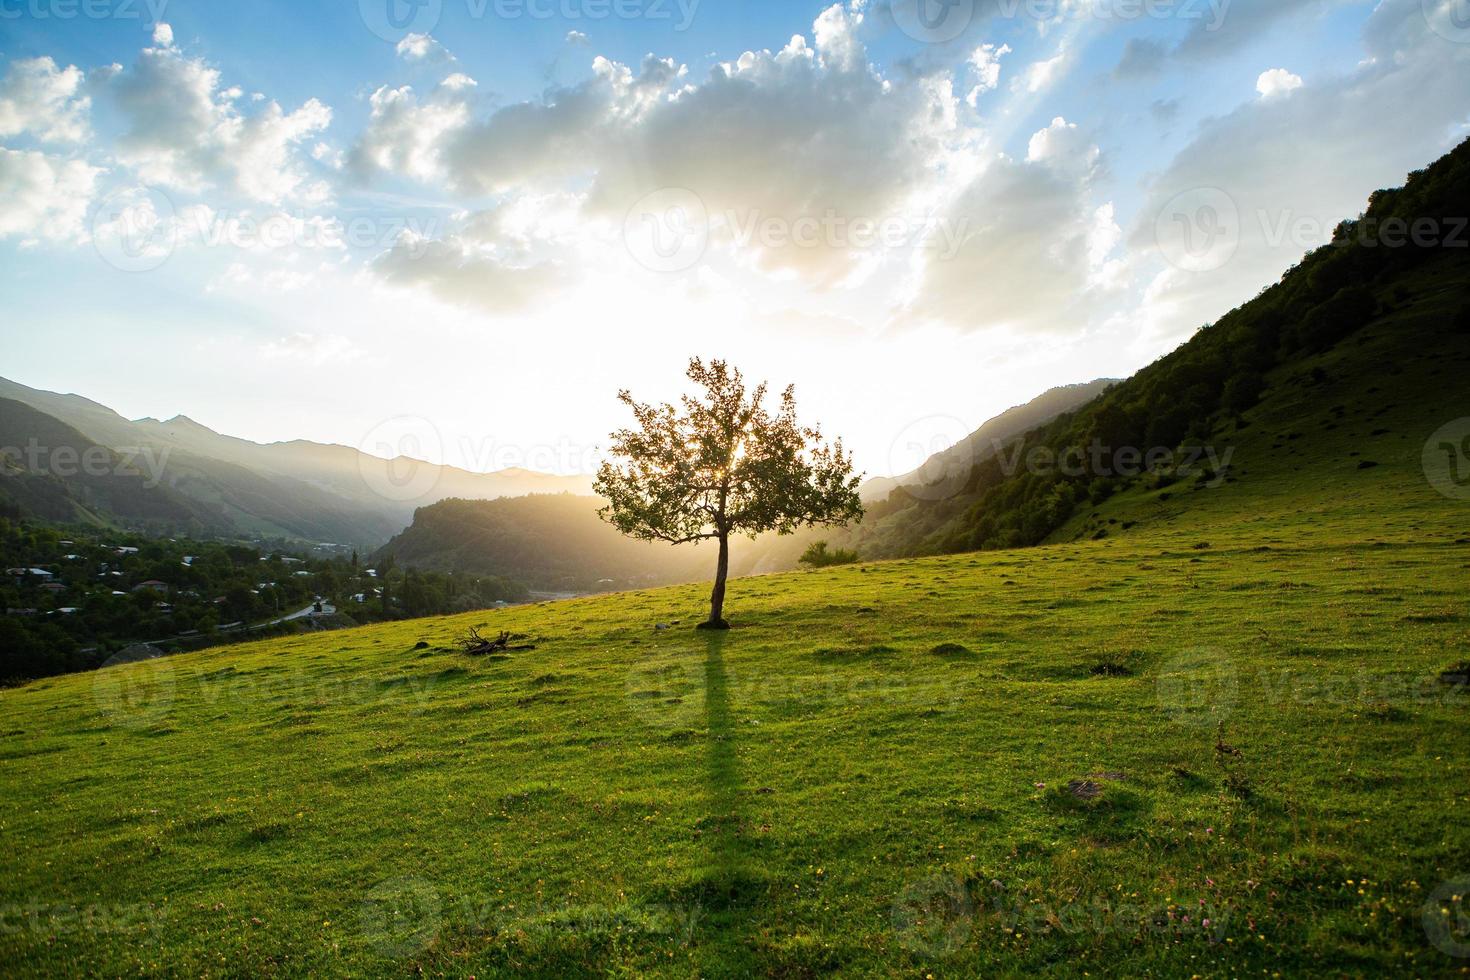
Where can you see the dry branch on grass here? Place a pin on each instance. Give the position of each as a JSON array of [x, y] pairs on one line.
[[477, 646]]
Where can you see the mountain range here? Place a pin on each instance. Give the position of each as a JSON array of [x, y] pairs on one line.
[[197, 480]]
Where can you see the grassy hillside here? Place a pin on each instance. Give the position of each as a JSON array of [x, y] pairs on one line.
[[1337, 435], [983, 764], [1374, 274]]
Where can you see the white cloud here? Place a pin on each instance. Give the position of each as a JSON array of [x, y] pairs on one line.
[[795, 135], [1103, 237], [163, 36], [422, 48], [327, 155], [835, 34], [1063, 146], [984, 63], [44, 198], [181, 131], [405, 136], [37, 98], [1033, 246], [492, 277], [500, 260], [1041, 75], [577, 39], [1277, 81], [458, 82]]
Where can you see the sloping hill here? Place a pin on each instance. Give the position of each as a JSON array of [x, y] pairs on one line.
[[957, 461], [356, 479], [1337, 435], [1366, 306], [975, 765]]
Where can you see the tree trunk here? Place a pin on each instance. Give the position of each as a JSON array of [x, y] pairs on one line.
[[717, 597]]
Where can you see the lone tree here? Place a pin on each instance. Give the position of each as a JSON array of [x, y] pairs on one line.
[[719, 465]]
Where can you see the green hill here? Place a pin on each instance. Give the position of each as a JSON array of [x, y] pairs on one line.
[[1336, 436], [1375, 320]]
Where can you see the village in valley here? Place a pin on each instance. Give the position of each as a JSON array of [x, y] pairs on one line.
[[77, 598]]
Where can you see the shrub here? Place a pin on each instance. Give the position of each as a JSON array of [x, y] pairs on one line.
[[1338, 317], [1243, 391], [818, 556]]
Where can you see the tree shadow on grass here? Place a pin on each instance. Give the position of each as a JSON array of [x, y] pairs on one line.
[[726, 891]]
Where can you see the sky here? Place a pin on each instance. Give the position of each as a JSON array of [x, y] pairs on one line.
[[459, 227]]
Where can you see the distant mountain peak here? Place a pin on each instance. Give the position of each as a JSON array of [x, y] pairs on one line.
[[184, 422]]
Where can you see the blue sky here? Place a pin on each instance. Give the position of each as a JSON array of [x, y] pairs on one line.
[[496, 170]]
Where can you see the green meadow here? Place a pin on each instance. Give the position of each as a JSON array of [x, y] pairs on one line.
[[1229, 749]]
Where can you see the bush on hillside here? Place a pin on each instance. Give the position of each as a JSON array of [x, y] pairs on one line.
[[1242, 392], [819, 556], [1342, 315]]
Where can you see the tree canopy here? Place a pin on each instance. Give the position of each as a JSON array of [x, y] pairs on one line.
[[722, 464]]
